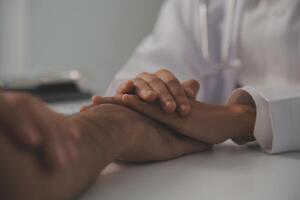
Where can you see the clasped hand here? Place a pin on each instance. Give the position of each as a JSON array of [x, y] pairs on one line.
[[176, 123], [173, 104]]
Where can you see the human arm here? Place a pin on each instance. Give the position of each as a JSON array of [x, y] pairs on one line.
[[268, 115], [208, 123], [107, 135], [32, 125]]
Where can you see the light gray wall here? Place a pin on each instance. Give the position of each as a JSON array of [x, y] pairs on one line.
[[13, 37], [95, 36]]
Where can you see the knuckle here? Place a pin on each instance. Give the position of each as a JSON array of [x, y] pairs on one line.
[[123, 85], [142, 74], [155, 80], [173, 82], [166, 97], [177, 91], [181, 99], [163, 71], [121, 88], [176, 88], [137, 80], [195, 83]]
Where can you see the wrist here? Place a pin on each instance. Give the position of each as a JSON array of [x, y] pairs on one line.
[[244, 119], [105, 128]]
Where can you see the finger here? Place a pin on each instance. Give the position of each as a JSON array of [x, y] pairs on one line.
[[150, 110], [56, 152], [28, 135], [25, 134], [176, 90], [126, 88], [191, 88], [57, 135], [165, 98], [97, 100], [143, 90], [55, 155], [55, 139]]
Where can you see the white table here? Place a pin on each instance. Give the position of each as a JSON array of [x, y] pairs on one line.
[[228, 172]]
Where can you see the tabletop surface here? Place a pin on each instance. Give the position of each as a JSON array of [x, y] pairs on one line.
[[228, 172]]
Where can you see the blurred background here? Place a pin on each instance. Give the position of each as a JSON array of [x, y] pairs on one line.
[[95, 37]]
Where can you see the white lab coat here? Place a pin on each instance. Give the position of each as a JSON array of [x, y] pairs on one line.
[[266, 40]]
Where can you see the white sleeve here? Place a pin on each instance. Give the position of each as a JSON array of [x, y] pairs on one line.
[[277, 126], [169, 46]]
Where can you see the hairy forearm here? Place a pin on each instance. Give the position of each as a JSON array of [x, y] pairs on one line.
[[24, 177]]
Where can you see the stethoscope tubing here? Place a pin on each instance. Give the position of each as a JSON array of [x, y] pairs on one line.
[[226, 46]]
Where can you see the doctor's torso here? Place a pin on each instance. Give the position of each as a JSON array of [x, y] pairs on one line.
[[265, 39], [268, 42], [263, 46]]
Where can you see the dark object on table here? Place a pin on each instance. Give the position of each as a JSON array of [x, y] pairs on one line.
[[51, 91]]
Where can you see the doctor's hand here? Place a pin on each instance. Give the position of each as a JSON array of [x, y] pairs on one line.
[[31, 125], [207, 123], [163, 87]]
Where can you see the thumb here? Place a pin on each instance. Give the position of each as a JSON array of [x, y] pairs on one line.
[[98, 100], [191, 88]]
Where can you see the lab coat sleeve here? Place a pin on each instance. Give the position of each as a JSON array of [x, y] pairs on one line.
[[169, 46], [277, 126]]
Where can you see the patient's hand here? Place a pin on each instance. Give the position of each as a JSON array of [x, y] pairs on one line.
[[109, 132], [139, 138], [30, 124], [207, 123], [163, 87]]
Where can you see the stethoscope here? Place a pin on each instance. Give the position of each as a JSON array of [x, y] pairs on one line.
[[226, 61]]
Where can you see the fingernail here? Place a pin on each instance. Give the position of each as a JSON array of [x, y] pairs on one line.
[[169, 104], [184, 108], [190, 91], [124, 98], [95, 99]]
